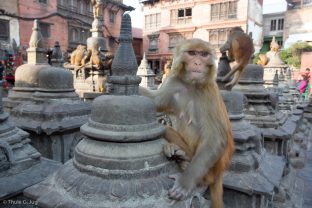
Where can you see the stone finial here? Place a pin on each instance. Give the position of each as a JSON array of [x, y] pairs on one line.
[[124, 66], [36, 53], [36, 36]]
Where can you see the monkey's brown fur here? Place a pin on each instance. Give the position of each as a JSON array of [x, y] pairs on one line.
[[77, 55], [203, 139], [240, 48]]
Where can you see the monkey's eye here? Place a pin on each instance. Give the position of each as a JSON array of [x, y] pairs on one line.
[[204, 53], [191, 53], [201, 53]]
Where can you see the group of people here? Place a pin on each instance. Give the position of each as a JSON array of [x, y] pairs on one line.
[[304, 84]]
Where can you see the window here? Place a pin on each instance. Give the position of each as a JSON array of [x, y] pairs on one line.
[[175, 38], [273, 25], [152, 21], [225, 10], [74, 35], [280, 25], [43, 1], [180, 16], [72, 5], [112, 16], [218, 37], [61, 3], [5, 29], [45, 29], [153, 43]]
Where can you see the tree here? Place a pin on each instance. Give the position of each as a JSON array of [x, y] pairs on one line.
[[292, 55]]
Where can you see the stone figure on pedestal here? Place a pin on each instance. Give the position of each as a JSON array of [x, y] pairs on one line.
[[97, 8]]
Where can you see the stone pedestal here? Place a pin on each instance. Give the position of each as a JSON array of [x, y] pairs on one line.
[[120, 163]]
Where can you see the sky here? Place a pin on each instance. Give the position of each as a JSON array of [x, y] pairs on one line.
[[136, 15], [272, 6], [269, 6]]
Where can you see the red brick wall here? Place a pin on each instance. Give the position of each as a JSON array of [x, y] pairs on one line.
[[58, 25]]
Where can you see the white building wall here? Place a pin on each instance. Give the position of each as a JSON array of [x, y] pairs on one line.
[[14, 29]]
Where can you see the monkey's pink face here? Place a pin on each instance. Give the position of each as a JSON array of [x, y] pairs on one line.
[[197, 64]]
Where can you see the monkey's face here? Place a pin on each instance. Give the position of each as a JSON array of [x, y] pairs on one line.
[[197, 64]]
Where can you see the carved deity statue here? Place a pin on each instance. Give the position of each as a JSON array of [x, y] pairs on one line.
[[274, 55], [97, 8]]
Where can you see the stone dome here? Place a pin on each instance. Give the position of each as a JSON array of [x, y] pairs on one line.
[[252, 74], [123, 118], [55, 79], [27, 75]]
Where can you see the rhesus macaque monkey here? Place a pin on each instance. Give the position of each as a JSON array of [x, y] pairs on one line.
[[202, 142], [240, 48], [77, 55]]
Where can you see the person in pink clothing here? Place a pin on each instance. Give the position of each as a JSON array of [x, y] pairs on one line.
[[303, 85]]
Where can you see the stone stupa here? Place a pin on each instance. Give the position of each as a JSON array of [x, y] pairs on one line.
[[21, 165], [46, 105], [120, 163]]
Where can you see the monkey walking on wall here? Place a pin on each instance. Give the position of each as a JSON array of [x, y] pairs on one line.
[[202, 142], [240, 49]]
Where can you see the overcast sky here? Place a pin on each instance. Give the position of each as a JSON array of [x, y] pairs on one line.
[[136, 15], [272, 6], [269, 6]]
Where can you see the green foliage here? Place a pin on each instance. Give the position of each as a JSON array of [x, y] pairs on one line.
[[292, 55], [256, 58]]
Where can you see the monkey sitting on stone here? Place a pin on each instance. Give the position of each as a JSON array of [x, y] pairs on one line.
[[77, 55]]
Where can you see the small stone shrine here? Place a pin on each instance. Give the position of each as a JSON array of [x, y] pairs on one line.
[[120, 163], [254, 175], [57, 55], [261, 110], [274, 63], [21, 165], [46, 105], [147, 75]]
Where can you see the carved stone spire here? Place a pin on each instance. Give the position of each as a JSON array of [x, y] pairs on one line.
[[36, 53], [124, 66]]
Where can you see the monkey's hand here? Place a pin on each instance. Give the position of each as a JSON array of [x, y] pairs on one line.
[[172, 150], [183, 116], [179, 191]]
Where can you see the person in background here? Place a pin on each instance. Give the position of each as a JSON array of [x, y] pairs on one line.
[[1, 69]]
